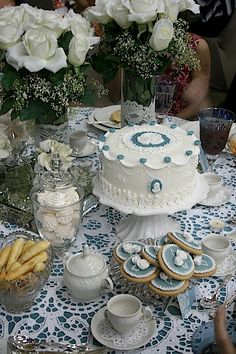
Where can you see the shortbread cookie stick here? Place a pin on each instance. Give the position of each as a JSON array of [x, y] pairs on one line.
[[27, 245], [4, 256], [34, 250], [28, 266], [15, 253], [13, 267]]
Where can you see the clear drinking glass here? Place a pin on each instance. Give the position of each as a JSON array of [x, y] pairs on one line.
[[215, 125], [165, 88]]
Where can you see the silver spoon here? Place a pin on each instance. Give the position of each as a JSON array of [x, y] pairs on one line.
[[227, 304], [211, 301]]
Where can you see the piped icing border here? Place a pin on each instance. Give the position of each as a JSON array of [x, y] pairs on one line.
[[133, 270], [164, 283], [169, 258], [183, 237], [148, 140]]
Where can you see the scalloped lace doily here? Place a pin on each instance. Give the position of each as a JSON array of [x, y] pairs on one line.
[[228, 266], [133, 112], [108, 333]]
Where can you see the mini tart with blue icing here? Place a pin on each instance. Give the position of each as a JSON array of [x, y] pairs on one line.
[[205, 266], [185, 241], [138, 270], [165, 286], [175, 262], [149, 252], [126, 249]]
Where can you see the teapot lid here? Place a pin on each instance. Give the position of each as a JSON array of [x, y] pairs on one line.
[[86, 263]]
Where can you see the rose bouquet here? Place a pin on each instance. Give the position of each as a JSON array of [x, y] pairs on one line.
[[143, 37], [43, 63]]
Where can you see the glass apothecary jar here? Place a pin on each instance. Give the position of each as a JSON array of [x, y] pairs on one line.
[[58, 204]]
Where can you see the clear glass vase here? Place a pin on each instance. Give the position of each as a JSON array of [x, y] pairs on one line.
[[137, 99], [58, 132]]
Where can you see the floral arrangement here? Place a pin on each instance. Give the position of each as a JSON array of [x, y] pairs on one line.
[[43, 63], [48, 148], [143, 37]]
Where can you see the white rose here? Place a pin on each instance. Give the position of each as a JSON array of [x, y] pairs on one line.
[[189, 5], [37, 51], [11, 26], [46, 145], [80, 26], [143, 11], [162, 34], [98, 13], [119, 13], [173, 7], [78, 49], [55, 22]]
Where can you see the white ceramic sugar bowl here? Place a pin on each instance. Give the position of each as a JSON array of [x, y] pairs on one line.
[[86, 275]]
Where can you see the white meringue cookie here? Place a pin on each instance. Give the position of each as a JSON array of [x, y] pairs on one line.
[[49, 221]]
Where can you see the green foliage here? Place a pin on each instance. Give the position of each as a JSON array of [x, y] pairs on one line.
[[7, 105], [57, 78], [64, 40], [107, 66], [10, 75], [40, 111], [88, 98]]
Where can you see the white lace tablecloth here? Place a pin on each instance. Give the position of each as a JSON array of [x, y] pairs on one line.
[[56, 317]]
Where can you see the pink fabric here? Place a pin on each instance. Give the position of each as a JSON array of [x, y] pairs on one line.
[[182, 78]]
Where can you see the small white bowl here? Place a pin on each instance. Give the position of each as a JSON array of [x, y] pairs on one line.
[[216, 246]]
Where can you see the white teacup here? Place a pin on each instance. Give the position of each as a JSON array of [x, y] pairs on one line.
[[124, 311], [214, 182], [78, 140], [216, 246]]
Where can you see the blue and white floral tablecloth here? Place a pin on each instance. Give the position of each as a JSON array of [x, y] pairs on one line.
[[56, 317]]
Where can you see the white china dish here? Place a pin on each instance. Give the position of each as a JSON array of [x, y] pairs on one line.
[[86, 275], [124, 311], [78, 140], [97, 333], [216, 246], [101, 118], [214, 182], [89, 149], [222, 197]]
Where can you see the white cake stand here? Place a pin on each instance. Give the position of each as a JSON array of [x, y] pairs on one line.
[[150, 223]]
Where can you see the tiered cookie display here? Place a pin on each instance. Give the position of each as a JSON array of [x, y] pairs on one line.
[[165, 269]]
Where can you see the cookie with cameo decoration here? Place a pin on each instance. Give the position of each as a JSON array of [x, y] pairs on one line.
[[125, 249], [149, 252], [204, 265], [175, 262], [166, 286], [186, 241], [138, 270]]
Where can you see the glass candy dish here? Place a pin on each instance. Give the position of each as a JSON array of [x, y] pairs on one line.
[[58, 207], [18, 295]]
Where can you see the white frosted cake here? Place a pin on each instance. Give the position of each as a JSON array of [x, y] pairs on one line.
[[148, 166]]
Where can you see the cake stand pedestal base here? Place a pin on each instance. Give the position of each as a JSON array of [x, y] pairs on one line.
[[136, 227]]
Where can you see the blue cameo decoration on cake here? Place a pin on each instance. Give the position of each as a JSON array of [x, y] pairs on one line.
[[155, 186], [150, 139]]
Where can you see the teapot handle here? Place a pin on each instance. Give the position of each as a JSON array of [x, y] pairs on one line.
[[65, 258], [107, 285]]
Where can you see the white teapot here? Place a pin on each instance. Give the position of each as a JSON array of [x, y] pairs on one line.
[[86, 275]]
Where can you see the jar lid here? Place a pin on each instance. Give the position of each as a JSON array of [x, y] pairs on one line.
[[86, 263], [56, 178]]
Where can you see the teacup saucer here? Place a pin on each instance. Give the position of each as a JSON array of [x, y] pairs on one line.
[[88, 150], [99, 327], [222, 197]]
